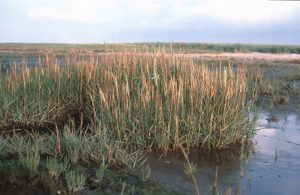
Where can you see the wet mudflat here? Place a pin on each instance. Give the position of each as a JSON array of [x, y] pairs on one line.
[[271, 166]]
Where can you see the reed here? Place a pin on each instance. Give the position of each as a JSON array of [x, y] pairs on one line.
[[136, 100]]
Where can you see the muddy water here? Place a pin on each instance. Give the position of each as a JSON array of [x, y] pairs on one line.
[[271, 167]]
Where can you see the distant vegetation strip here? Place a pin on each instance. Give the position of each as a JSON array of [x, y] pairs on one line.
[[170, 47]]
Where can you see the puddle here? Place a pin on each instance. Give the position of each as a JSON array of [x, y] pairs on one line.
[[273, 166]]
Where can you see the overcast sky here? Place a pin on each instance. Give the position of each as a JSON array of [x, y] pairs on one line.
[[98, 21]]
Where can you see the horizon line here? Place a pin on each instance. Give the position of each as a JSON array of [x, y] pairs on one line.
[[151, 42]]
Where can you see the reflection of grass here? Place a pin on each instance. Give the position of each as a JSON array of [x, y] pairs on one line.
[[278, 90], [298, 106], [276, 156], [190, 169]]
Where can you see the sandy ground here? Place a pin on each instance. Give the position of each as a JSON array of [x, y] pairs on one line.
[[243, 58], [253, 57], [249, 56]]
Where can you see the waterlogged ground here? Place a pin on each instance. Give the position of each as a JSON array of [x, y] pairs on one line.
[[272, 166]]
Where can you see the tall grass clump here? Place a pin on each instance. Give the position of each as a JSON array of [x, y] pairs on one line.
[[137, 100], [55, 168], [72, 145], [156, 101], [145, 173], [3, 146], [75, 182], [30, 162], [100, 172]]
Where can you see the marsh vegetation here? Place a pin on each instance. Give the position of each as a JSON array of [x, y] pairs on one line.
[[105, 112], [183, 47]]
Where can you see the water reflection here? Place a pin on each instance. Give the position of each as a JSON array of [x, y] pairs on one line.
[[271, 167]]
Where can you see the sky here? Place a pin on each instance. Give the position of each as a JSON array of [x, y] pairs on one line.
[[114, 21]]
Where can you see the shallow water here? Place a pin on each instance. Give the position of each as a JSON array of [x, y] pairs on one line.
[[273, 166]]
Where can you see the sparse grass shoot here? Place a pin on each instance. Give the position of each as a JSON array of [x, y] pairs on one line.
[[145, 173], [75, 182], [30, 162], [55, 168]]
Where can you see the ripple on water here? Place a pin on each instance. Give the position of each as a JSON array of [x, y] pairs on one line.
[[272, 168]]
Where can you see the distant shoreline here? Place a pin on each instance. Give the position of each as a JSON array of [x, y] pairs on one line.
[[152, 47]]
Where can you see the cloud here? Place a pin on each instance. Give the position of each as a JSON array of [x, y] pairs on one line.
[[239, 11], [87, 11], [143, 6], [156, 20], [168, 12]]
